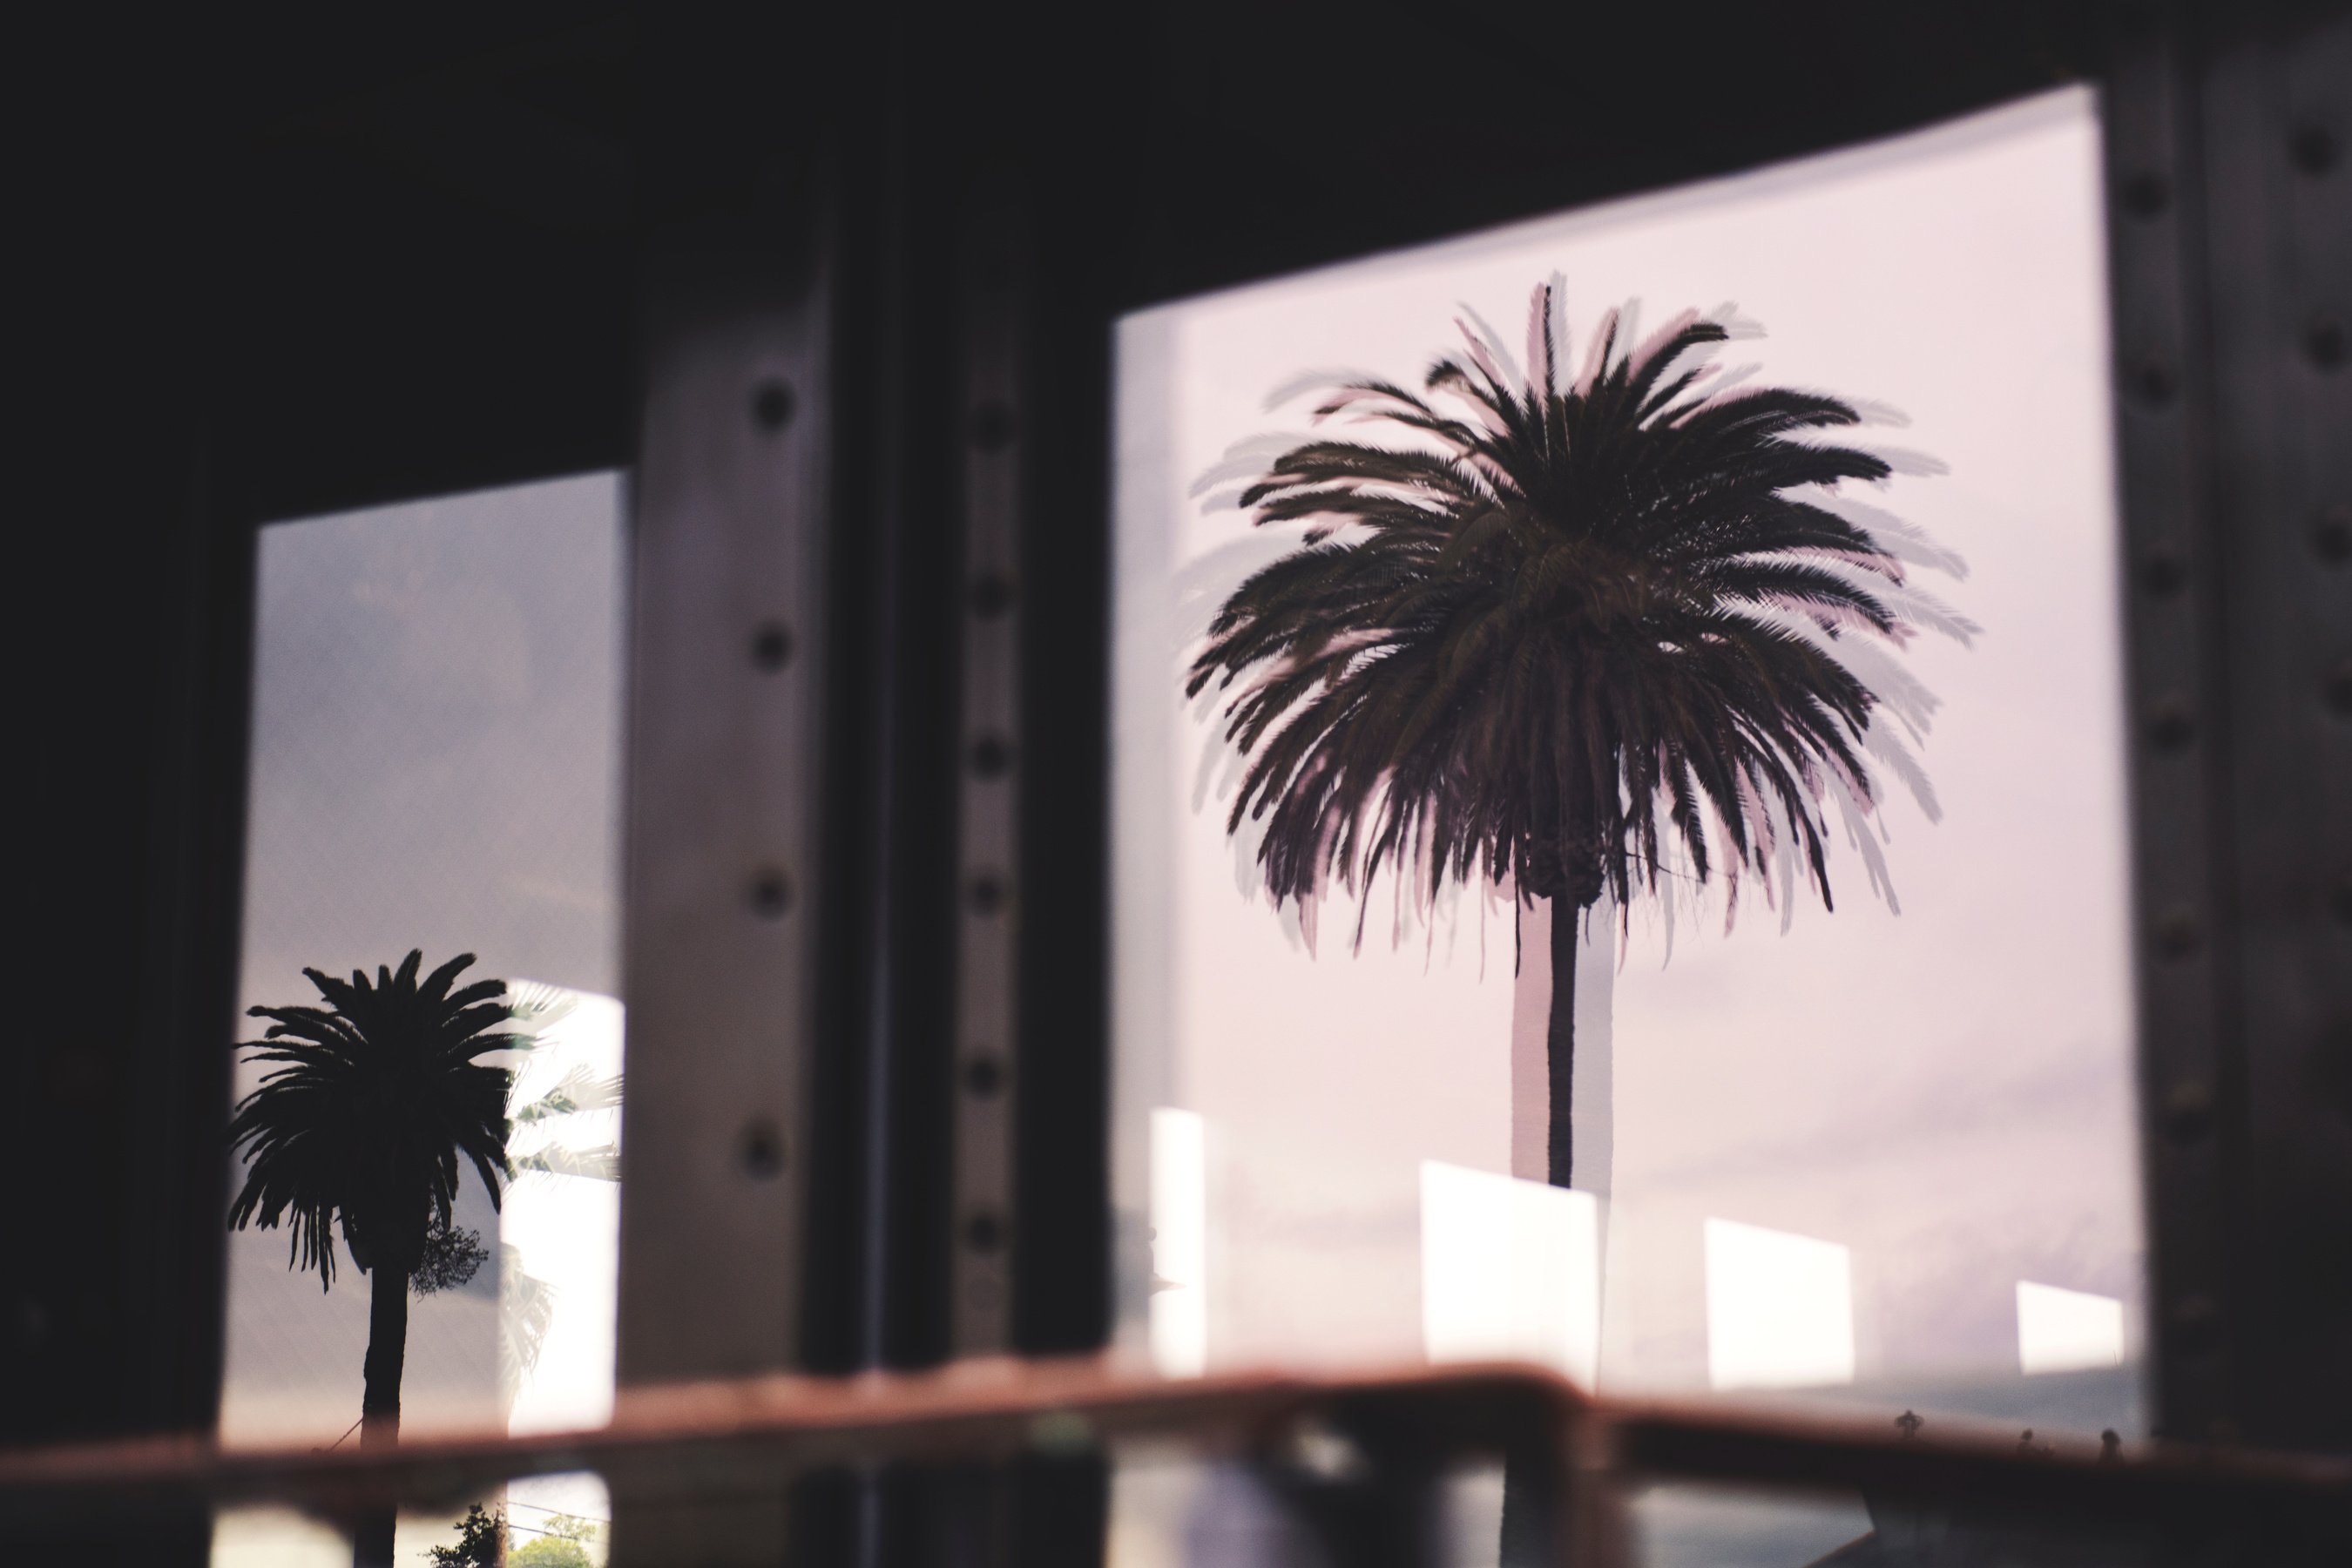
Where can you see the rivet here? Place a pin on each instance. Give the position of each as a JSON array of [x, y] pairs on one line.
[[2331, 536], [987, 893], [2147, 193], [772, 404], [761, 1149], [2312, 148], [983, 1232], [2187, 1111], [2323, 341], [990, 757], [2170, 725], [2339, 688], [2176, 933], [2164, 571], [984, 1075], [2153, 380], [2199, 1320], [771, 895], [772, 646], [992, 595], [991, 427]]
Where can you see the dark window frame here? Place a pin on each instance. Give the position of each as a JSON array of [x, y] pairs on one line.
[[942, 154]]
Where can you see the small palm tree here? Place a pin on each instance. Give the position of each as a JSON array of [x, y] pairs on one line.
[[381, 1099], [1592, 634]]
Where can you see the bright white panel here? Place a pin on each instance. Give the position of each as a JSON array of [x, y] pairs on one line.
[[1510, 1269], [1179, 1243], [1779, 1309], [565, 1231], [2066, 1330]]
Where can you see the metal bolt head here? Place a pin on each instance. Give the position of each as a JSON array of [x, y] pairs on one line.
[[2312, 148], [992, 595], [2187, 1111], [772, 646], [2323, 341], [2164, 570], [2198, 1321], [771, 895], [2147, 193], [984, 1075], [2177, 933], [2153, 380], [761, 1149], [992, 757], [2170, 725], [2331, 536], [2339, 688], [772, 404], [987, 893], [983, 1232], [991, 427]]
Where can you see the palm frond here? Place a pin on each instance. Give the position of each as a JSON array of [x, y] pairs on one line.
[[375, 1105], [1589, 634]]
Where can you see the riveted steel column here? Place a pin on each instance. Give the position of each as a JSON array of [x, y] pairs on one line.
[[988, 818], [2276, 106], [726, 720], [2170, 571], [2231, 252]]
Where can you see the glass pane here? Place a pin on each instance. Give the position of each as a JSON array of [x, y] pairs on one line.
[[541, 1521], [1690, 1525], [1858, 1132], [434, 773], [1200, 1502]]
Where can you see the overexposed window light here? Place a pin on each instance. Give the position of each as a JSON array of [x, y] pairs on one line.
[[1179, 1243], [1510, 1270], [560, 1226], [2066, 1330], [1779, 1309]]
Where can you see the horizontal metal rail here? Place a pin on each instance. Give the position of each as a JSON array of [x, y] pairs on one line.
[[702, 1437]]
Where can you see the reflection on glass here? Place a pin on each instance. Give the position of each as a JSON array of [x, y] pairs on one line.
[[1177, 1505], [1685, 1525], [520, 1528], [1803, 713], [427, 1164]]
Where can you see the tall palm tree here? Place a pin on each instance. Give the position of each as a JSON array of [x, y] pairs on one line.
[[380, 1100], [1595, 634]]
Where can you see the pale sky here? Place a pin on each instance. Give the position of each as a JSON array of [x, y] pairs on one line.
[[435, 765], [1946, 1092]]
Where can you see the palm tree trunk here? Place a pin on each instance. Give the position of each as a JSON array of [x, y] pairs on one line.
[[1529, 1491], [1559, 1046], [387, 1355]]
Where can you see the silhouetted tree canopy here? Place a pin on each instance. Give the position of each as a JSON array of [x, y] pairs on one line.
[[1585, 630], [381, 1097]]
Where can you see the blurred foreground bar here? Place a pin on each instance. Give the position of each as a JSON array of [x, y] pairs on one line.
[[1332, 1471]]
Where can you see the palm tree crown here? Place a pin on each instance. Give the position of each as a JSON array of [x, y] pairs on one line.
[[380, 1096], [1584, 632]]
